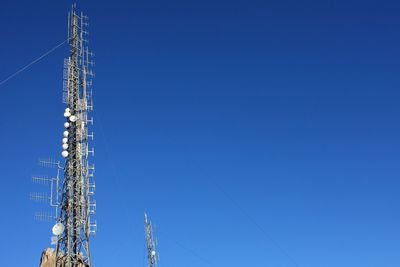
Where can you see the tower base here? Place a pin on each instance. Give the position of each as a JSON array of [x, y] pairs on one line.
[[48, 259]]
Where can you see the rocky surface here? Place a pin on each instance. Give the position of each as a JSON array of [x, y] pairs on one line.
[[48, 259]]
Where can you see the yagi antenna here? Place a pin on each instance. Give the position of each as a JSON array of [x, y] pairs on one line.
[[42, 197], [41, 179], [53, 200], [44, 216], [51, 163]]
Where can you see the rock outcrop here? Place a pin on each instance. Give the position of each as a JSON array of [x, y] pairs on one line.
[[48, 259]]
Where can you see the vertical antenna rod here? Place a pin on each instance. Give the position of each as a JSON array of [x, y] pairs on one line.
[[150, 244], [76, 205]]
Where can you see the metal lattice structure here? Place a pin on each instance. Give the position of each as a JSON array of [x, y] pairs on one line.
[[72, 189], [76, 204], [152, 255]]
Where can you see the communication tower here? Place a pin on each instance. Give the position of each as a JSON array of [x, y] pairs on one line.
[[152, 255], [72, 190]]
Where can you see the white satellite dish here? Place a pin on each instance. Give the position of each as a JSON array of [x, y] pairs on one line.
[[65, 146], [67, 114], [153, 253], [58, 229], [72, 118], [66, 133], [66, 125], [64, 154], [65, 140], [67, 110]]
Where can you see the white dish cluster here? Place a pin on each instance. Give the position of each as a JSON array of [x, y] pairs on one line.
[[71, 118]]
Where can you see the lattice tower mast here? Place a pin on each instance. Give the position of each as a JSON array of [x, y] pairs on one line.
[[77, 205], [152, 256]]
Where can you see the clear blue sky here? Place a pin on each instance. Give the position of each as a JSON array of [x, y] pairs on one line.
[[254, 133]]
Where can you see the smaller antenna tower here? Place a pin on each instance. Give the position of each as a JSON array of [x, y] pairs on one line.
[[152, 255]]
